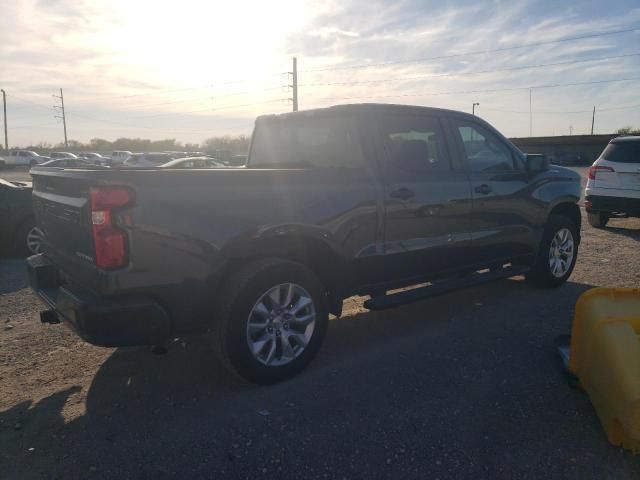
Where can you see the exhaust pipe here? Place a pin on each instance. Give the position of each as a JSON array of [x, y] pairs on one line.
[[49, 316]]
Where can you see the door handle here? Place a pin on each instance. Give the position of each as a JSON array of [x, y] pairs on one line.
[[402, 193], [484, 189]]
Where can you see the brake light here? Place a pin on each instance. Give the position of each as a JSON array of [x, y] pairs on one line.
[[110, 242], [594, 168]]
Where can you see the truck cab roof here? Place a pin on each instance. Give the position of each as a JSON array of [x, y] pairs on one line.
[[380, 108]]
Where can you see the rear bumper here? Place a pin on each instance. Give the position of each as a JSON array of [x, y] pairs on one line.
[[600, 203], [107, 322]]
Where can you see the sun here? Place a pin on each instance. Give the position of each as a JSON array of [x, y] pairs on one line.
[[190, 42]]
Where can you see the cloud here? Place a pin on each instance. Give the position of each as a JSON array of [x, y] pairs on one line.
[[176, 57]]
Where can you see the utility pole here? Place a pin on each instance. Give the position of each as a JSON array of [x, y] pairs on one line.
[[4, 107], [570, 129], [593, 118], [530, 116], [473, 107], [294, 86], [62, 116]]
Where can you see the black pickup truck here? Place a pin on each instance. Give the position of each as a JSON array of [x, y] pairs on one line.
[[353, 199]]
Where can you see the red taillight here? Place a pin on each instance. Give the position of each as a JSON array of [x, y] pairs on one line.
[[594, 168], [110, 242]]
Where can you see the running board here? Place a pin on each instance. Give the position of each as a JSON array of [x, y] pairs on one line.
[[396, 299]]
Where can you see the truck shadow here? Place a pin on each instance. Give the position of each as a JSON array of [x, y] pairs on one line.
[[141, 404], [626, 231], [191, 368], [13, 275]]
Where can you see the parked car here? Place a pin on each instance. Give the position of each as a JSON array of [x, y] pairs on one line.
[[18, 231], [192, 162], [613, 185], [570, 159], [355, 199], [119, 156], [59, 155], [151, 159], [94, 158], [67, 163], [239, 160], [22, 158]]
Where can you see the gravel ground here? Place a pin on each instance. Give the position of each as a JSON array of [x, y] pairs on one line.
[[466, 385]]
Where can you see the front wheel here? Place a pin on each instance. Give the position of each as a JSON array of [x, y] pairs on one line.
[[272, 319], [557, 253]]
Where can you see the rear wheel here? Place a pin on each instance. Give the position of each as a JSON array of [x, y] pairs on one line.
[[28, 240], [557, 253], [272, 320], [597, 219]]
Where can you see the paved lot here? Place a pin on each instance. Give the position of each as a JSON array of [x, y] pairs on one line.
[[466, 385]]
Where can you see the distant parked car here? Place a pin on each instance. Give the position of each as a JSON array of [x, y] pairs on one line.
[[119, 156], [67, 163], [239, 160], [151, 159], [613, 187], [193, 162], [18, 233], [22, 158], [59, 155], [94, 158], [570, 159]]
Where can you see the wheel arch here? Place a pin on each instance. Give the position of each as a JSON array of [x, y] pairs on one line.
[[317, 254], [570, 210]]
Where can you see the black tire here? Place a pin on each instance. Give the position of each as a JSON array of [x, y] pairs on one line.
[[597, 219], [540, 273], [236, 303]]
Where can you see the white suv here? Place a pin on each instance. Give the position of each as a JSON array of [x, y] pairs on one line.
[[613, 188]]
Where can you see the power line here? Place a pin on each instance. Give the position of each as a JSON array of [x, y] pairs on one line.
[[477, 52], [493, 90], [561, 112], [223, 107], [194, 99], [506, 69], [199, 87]]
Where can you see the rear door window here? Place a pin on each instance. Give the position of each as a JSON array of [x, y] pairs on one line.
[[304, 142], [622, 152], [414, 143]]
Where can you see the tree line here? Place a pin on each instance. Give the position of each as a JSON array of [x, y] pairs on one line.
[[628, 131], [237, 144]]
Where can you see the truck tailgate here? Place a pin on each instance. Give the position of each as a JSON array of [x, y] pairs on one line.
[[62, 210]]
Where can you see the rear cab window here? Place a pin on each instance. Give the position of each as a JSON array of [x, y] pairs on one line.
[[414, 144], [304, 141]]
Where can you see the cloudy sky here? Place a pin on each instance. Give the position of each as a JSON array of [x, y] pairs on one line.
[[192, 69]]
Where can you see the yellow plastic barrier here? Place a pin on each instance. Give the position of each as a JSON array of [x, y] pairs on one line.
[[605, 356]]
